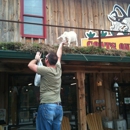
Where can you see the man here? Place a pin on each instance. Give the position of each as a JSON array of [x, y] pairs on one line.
[[50, 111]]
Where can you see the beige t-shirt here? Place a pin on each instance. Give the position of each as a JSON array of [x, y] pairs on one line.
[[50, 84]]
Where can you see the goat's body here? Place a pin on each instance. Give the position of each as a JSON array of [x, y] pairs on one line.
[[69, 37]]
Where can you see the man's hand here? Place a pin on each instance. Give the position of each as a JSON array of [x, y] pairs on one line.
[[38, 56], [64, 42], [59, 51]]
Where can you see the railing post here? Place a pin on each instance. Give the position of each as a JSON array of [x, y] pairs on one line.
[[99, 33]]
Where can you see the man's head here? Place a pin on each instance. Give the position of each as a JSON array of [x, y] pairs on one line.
[[51, 58]]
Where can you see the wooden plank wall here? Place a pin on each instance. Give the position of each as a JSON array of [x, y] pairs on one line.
[[77, 13], [105, 92]]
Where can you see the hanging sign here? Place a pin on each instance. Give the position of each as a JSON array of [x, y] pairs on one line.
[[127, 100]]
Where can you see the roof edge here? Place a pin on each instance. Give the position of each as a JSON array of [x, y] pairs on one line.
[[7, 54]]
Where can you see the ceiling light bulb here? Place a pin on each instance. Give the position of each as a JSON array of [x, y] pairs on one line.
[[73, 84], [116, 85]]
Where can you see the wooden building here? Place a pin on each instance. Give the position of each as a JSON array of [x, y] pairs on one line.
[[93, 75]]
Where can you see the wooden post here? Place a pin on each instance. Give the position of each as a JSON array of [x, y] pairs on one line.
[[81, 101]]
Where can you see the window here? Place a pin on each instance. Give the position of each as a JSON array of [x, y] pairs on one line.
[[33, 11]]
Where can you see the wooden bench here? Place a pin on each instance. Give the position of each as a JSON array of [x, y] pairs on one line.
[[3, 127], [95, 122], [65, 124]]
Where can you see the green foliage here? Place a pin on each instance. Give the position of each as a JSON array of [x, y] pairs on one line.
[[128, 53], [90, 50], [34, 47], [9, 45]]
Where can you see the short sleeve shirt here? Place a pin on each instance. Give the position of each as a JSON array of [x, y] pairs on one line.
[[50, 84]]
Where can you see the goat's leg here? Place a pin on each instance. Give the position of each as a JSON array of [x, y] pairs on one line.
[[68, 43], [76, 42]]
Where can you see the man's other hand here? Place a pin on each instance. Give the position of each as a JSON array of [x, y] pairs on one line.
[[38, 56]]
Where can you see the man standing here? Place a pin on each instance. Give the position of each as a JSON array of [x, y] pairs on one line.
[[50, 111]]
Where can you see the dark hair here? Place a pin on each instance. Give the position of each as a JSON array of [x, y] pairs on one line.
[[52, 58]]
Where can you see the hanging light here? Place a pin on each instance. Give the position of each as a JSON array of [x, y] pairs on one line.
[[73, 84], [115, 85], [117, 94], [29, 84], [99, 80]]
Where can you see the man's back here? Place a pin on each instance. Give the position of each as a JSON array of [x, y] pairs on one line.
[[50, 84]]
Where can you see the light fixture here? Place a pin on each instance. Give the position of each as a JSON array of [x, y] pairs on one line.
[[98, 108], [29, 84], [116, 94], [116, 90], [73, 84], [103, 107], [73, 77], [99, 80], [115, 85], [117, 99], [117, 103]]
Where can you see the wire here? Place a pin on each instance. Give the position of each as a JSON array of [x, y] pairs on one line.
[[12, 21], [82, 54]]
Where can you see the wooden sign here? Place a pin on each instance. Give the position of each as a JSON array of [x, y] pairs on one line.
[[100, 101]]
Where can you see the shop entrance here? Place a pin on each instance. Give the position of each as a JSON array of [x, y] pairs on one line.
[[23, 100], [125, 102]]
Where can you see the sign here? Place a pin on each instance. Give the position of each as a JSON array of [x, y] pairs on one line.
[[109, 42], [100, 101], [120, 22], [127, 100], [119, 18]]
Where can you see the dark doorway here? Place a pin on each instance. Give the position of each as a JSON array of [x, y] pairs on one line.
[[87, 94], [23, 101], [69, 98], [124, 93]]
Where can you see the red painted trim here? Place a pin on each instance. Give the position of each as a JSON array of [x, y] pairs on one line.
[[45, 29], [21, 15], [33, 36], [30, 15], [43, 17]]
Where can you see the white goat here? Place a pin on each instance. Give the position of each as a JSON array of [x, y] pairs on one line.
[[69, 37]]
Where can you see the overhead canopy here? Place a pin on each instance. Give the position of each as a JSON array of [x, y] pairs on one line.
[[66, 57], [16, 62]]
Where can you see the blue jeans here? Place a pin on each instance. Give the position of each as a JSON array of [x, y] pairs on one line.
[[49, 117]]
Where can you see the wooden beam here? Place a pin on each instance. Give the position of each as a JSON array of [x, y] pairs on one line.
[[16, 61], [20, 66], [81, 101], [9, 68], [95, 69]]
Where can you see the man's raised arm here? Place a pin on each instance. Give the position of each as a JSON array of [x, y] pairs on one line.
[[59, 51]]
